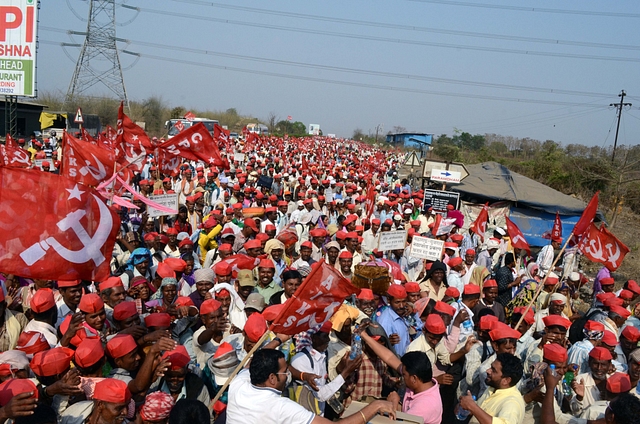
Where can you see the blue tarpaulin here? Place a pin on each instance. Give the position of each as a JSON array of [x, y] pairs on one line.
[[533, 223]]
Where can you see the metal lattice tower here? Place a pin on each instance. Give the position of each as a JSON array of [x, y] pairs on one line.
[[99, 61]]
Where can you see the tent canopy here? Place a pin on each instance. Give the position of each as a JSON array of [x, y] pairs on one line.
[[491, 181]]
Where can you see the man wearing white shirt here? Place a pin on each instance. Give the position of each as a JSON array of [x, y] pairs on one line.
[[469, 264]]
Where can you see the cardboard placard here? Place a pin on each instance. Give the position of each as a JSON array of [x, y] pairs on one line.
[[38, 164], [168, 200], [392, 240], [238, 157], [426, 248]]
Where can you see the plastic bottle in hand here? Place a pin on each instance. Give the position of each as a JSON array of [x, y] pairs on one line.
[[566, 383], [356, 347], [461, 413], [553, 370]]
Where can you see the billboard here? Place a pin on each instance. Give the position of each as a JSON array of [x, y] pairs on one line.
[[18, 29], [314, 129]]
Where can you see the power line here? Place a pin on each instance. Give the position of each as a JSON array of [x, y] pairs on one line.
[[410, 27], [353, 84], [531, 9], [383, 39], [359, 71]]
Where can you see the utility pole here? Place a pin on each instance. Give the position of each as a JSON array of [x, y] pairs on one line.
[[100, 48], [379, 128], [619, 107]]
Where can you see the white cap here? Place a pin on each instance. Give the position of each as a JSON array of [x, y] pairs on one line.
[[574, 276], [492, 244], [500, 231]]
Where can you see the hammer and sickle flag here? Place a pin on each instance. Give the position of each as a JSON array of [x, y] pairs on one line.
[[85, 162], [600, 245], [51, 227]]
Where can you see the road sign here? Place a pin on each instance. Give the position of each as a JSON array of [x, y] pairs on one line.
[[179, 126], [78, 118], [441, 164], [412, 160], [445, 176], [440, 199]]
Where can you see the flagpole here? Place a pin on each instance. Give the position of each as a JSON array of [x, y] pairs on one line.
[[539, 289]]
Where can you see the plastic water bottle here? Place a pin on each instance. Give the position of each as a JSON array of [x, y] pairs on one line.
[[566, 383], [335, 404], [553, 370], [461, 413], [356, 347]]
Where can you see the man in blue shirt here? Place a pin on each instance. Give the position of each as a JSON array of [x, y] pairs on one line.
[[391, 318]]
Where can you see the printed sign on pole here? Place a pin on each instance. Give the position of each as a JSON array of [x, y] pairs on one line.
[[426, 248], [78, 119], [168, 200], [392, 240], [445, 176], [439, 200], [18, 29]]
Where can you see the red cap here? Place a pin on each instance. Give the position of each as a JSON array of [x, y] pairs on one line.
[[503, 331], [593, 326], [16, 386], [631, 333], [112, 390], [435, 325], [120, 345], [51, 362], [554, 352], [222, 268], [176, 264], [450, 245], [487, 322], [607, 281], [223, 293], [158, 319], [626, 294], [88, 352], [452, 292], [210, 223], [171, 231], [326, 327], [271, 313], [489, 283], [184, 301], [68, 283], [633, 286], [397, 291], [252, 244], [609, 339], [455, 261], [345, 254], [444, 308], [620, 311], [556, 320], [91, 303], [266, 263], [42, 301], [31, 342], [603, 297], [209, 305], [185, 242], [619, 383], [255, 327], [179, 357], [225, 247], [529, 318], [124, 310], [600, 353], [307, 244], [251, 223], [471, 289], [613, 301], [470, 252], [365, 294], [412, 287]]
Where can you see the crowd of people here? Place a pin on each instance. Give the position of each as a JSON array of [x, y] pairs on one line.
[[465, 338]]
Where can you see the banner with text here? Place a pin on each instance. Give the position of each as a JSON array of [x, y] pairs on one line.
[[18, 29], [168, 200], [426, 248], [392, 240]]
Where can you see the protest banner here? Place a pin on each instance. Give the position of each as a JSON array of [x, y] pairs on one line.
[[168, 200], [392, 240], [426, 248]]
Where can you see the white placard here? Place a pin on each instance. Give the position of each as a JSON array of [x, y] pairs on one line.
[[238, 157], [426, 248], [392, 240], [38, 164], [168, 200]]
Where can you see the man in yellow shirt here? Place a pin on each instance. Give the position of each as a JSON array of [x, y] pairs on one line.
[[502, 403]]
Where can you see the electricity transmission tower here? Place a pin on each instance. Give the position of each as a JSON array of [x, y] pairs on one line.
[[99, 61]]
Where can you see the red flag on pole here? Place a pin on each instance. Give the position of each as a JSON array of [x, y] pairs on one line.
[[132, 143], [479, 226], [86, 162], [315, 301], [436, 224], [70, 232], [304, 165], [14, 157], [587, 217], [194, 143], [11, 142], [556, 231], [516, 236], [600, 245]]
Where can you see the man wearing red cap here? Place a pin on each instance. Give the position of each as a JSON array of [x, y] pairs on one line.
[[593, 332], [391, 318], [71, 292], [254, 329], [488, 300], [208, 234], [109, 405], [557, 302], [248, 231], [469, 264], [590, 387], [45, 315], [371, 237], [266, 286]]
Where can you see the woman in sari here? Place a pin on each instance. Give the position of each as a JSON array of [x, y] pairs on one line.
[[525, 292], [165, 297], [140, 291]]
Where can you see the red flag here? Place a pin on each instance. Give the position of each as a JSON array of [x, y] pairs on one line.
[[87, 137], [11, 142], [241, 261], [304, 166], [479, 226], [70, 232], [189, 116], [587, 217], [600, 245], [194, 143], [14, 157], [516, 236], [370, 201], [85, 162], [132, 143], [436, 224], [315, 301]]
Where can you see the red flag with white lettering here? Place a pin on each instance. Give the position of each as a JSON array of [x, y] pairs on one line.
[[516, 236], [53, 228], [600, 245], [10, 142], [315, 301], [194, 143], [14, 157], [479, 226], [587, 217], [132, 143], [85, 162]]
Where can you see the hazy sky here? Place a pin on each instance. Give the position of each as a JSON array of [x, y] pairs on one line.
[[427, 65]]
